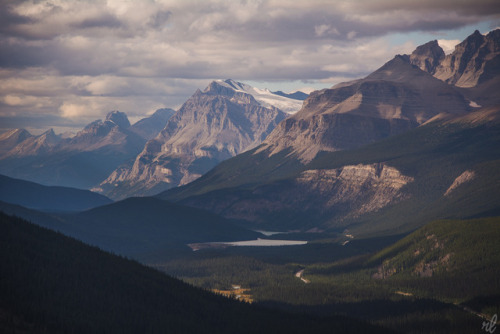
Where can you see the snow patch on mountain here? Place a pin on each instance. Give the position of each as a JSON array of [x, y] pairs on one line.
[[264, 96]]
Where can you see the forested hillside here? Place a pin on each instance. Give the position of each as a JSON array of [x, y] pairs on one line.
[[54, 284]]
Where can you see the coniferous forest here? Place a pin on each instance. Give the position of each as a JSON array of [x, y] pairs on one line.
[[54, 284]]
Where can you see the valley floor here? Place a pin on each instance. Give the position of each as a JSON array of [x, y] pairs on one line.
[[456, 297]]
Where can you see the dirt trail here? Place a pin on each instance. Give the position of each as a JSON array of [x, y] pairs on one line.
[[299, 274]]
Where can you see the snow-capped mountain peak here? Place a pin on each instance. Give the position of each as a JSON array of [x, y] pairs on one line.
[[264, 96]]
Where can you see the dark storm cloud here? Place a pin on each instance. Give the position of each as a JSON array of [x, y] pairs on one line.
[[105, 20], [9, 19], [159, 19]]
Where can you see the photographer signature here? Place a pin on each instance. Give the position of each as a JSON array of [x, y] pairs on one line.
[[490, 326]]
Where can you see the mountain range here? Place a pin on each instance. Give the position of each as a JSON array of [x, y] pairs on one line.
[[395, 98], [380, 188], [368, 155], [122, 160], [81, 161], [312, 169], [225, 119]]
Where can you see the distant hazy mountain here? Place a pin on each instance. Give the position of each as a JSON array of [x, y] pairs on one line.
[[111, 133], [36, 196], [81, 161], [211, 126], [296, 95], [10, 139], [35, 145], [150, 127]]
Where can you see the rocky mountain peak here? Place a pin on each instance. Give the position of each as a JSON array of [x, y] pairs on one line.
[[213, 125], [427, 56], [494, 36], [230, 89], [17, 135], [150, 127], [119, 118], [393, 99], [96, 128], [397, 69], [35, 145], [473, 61], [11, 138], [219, 87], [115, 121], [243, 93], [476, 38], [50, 137], [163, 113], [298, 95]]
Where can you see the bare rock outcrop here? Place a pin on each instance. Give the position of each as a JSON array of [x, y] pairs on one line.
[[367, 188], [340, 194], [428, 56], [465, 177], [474, 60]]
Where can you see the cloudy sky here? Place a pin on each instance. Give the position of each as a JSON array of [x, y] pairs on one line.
[[64, 63]]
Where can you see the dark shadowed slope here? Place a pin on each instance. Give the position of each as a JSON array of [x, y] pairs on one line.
[[46, 198], [51, 283], [146, 227], [141, 228]]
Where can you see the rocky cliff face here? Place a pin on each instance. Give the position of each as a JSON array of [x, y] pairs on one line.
[[339, 194], [474, 66], [474, 61], [211, 126], [367, 188], [427, 57], [395, 98], [465, 177]]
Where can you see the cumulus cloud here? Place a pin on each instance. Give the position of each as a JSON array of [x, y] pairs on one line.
[[77, 59]]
